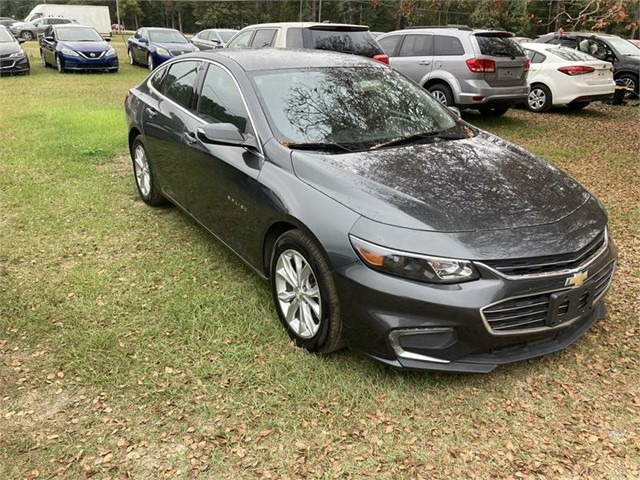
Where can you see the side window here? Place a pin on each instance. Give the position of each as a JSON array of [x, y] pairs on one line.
[[179, 83], [221, 101], [294, 38], [157, 78], [417, 46], [537, 57], [242, 40], [389, 44], [445, 45], [263, 38]]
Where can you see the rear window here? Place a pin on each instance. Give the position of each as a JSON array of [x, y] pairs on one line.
[[499, 46], [570, 54], [357, 42]]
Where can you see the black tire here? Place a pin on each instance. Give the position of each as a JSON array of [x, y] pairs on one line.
[[493, 111], [575, 105], [540, 99], [43, 59], [328, 337], [151, 194], [442, 93], [150, 63], [59, 65], [27, 35], [132, 61], [632, 84]]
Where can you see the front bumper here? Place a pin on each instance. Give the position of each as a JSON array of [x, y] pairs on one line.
[[14, 65], [80, 63], [417, 326]]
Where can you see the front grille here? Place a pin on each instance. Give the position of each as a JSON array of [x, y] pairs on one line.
[[548, 264], [96, 55], [533, 311], [175, 53]]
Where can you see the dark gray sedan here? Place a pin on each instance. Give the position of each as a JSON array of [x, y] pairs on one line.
[[383, 221]]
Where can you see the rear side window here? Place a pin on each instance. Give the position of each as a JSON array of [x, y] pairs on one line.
[[499, 46], [179, 83], [221, 101], [535, 57], [445, 45], [156, 79], [389, 44], [359, 42], [263, 38], [294, 38], [417, 46]]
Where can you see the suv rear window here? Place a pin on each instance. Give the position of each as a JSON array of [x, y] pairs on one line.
[[498, 46], [358, 42]]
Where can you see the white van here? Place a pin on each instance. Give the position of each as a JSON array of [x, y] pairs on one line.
[[97, 17]]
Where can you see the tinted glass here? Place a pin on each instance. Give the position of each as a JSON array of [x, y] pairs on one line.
[[227, 34], [242, 40], [294, 38], [263, 38], [221, 101], [358, 42], [5, 36], [156, 79], [74, 34], [366, 106], [178, 84], [417, 46], [499, 46], [624, 47], [58, 21], [389, 44], [445, 45], [535, 57], [167, 36], [570, 54]]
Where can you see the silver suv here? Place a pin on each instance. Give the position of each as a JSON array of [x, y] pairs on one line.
[[461, 66]]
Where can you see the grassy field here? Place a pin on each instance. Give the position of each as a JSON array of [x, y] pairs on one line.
[[133, 345]]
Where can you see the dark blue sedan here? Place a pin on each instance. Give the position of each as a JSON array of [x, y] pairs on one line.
[[153, 46], [77, 47]]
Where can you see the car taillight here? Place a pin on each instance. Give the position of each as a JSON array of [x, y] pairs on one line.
[[527, 64], [382, 59], [481, 65], [126, 97], [576, 70]]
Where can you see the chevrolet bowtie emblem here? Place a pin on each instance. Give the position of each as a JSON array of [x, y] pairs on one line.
[[577, 279]]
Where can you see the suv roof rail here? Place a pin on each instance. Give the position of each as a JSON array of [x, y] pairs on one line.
[[459, 27]]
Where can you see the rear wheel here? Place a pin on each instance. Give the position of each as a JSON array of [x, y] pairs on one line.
[[575, 105], [304, 293], [130, 55], [143, 173], [493, 111], [539, 99], [442, 93]]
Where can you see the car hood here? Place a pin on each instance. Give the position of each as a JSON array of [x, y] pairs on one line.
[[85, 46], [17, 25], [9, 47], [480, 183], [187, 47]]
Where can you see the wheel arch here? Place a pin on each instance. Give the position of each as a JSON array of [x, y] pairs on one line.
[[133, 133]]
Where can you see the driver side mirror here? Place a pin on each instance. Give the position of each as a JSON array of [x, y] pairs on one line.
[[225, 134], [143, 40], [216, 42]]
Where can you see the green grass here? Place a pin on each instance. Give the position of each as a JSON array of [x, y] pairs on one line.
[[132, 343]]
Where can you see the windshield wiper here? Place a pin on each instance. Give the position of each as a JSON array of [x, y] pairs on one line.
[[322, 146], [420, 136]]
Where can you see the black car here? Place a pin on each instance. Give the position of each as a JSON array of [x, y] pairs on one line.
[[610, 48], [13, 59], [381, 219]]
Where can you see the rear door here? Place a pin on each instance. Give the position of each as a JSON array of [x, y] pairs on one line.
[[448, 54], [508, 56], [414, 56]]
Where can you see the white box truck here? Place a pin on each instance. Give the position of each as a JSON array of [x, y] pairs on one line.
[[97, 17]]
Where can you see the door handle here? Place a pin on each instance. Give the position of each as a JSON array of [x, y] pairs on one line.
[[190, 138], [152, 112], [424, 62]]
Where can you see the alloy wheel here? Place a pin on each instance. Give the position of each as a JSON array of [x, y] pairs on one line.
[[141, 166], [440, 96], [537, 99], [27, 35], [130, 55], [298, 294], [630, 85], [59, 64], [150, 62]]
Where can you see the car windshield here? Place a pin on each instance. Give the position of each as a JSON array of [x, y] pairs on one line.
[[354, 107], [359, 42], [5, 36], [78, 35], [226, 35], [571, 55], [167, 36], [624, 47]]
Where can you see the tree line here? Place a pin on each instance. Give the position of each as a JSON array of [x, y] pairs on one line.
[[522, 17]]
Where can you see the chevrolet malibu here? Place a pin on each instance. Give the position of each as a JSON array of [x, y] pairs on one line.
[[382, 221]]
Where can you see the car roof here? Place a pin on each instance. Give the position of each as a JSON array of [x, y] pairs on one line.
[[304, 25], [160, 29], [460, 30], [280, 58], [71, 25]]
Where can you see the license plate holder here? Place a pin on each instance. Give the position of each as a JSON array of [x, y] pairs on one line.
[[569, 305]]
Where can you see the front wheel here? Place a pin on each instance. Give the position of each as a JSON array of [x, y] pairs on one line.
[[539, 99], [631, 84], [150, 62], [59, 64], [27, 35], [143, 173], [304, 293]]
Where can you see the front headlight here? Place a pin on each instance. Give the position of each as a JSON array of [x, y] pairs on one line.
[[17, 55], [67, 51], [414, 266], [111, 52], [162, 51]]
